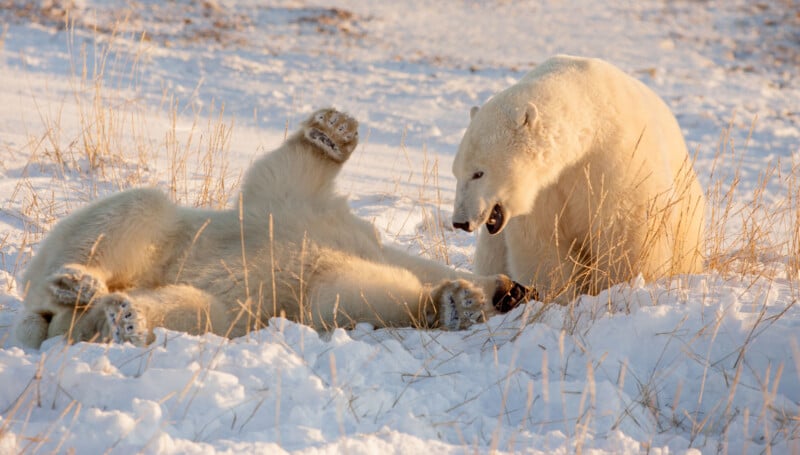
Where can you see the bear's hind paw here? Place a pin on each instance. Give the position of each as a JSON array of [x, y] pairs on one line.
[[72, 284], [333, 132], [124, 322]]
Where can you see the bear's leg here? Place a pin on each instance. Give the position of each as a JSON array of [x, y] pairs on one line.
[[52, 302], [131, 316], [76, 323], [490, 253], [307, 164], [31, 328], [111, 242], [57, 304], [505, 293], [388, 296], [356, 290], [557, 271]]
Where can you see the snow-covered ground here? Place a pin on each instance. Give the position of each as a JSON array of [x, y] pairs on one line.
[[184, 94]]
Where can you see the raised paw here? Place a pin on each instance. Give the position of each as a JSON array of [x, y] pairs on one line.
[[333, 132], [460, 304], [124, 322], [73, 284]]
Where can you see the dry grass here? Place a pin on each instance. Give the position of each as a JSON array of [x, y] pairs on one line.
[[112, 150]]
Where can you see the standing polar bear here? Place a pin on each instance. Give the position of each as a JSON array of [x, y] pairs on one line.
[[134, 260], [582, 179]]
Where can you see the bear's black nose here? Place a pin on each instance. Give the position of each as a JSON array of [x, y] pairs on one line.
[[463, 226]]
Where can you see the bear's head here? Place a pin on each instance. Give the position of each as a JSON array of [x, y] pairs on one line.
[[501, 164]]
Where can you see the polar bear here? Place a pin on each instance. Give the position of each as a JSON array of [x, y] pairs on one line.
[[581, 177], [133, 261]]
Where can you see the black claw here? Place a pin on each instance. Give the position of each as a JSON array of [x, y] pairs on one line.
[[507, 298], [530, 293]]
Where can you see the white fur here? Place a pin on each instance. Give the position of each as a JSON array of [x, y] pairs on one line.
[[592, 171], [134, 260]]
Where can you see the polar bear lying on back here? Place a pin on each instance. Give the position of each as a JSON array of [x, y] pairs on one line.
[[134, 260], [581, 177]]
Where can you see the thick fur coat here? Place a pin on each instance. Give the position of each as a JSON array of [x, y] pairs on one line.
[[123, 265]]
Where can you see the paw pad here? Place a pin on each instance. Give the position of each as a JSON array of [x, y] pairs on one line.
[[460, 304], [74, 285], [124, 322], [333, 132]]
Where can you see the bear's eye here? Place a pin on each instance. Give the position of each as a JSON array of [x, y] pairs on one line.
[[477, 175]]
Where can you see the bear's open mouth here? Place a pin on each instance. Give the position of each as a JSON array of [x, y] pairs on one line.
[[496, 220]]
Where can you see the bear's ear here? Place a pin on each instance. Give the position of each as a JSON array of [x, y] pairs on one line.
[[525, 116], [472, 112]]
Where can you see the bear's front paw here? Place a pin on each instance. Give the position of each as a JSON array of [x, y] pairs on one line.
[[73, 284], [333, 132], [124, 322], [508, 294], [460, 304]]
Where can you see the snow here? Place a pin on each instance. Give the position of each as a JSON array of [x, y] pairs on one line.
[[692, 364]]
